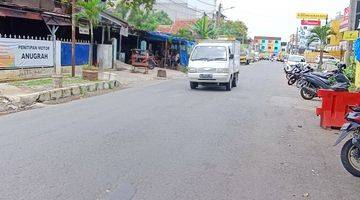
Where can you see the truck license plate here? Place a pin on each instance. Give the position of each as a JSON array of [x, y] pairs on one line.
[[206, 76]]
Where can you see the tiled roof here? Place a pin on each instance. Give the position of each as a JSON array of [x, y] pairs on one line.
[[164, 28], [176, 26]]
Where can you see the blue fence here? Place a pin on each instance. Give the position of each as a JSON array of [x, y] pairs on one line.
[[81, 54]]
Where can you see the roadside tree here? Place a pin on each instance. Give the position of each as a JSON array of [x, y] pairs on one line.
[[90, 10], [320, 34], [142, 17], [204, 28], [236, 29]]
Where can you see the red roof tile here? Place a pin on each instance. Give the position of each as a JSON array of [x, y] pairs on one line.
[[176, 26]]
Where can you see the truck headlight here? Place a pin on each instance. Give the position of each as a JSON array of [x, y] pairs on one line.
[[192, 70], [222, 70]]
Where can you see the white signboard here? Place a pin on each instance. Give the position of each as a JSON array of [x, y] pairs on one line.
[[124, 31], [25, 53], [84, 29]]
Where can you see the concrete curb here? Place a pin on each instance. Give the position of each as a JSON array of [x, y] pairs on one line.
[[56, 94]]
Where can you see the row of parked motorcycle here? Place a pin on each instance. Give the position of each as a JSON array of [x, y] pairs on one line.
[[309, 81]]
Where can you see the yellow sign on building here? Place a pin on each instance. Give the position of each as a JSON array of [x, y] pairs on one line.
[[350, 35], [312, 16]]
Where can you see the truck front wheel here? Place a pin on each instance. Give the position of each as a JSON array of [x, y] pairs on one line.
[[228, 85], [193, 85], [235, 80]]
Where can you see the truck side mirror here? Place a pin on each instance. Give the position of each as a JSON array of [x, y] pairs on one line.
[[231, 56]]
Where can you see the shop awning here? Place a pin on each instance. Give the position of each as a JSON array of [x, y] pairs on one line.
[[56, 20], [114, 20], [163, 37]]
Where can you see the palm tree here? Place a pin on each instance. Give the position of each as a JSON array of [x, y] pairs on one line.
[[90, 10], [204, 28], [321, 34]]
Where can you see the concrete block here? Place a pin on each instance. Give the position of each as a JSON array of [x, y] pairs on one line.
[[29, 99], [55, 94], [100, 86], [91, 87], [83, 89], [75, 91], [66, 92], [44, 96], [106, 85]]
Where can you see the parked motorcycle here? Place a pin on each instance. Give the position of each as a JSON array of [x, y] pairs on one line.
[[152, 62], [312, 82], [297, 74], [291, 70], [350, 152]]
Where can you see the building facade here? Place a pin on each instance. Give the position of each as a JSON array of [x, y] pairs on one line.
[[186, 9], [177, 9], [269, 45]]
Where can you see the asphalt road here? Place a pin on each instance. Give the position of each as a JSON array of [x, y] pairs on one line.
[[167, 142]]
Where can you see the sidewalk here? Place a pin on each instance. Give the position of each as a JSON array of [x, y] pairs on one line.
[[127, 77], [21, 95]]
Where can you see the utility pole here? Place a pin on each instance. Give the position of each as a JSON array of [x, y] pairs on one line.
[[73, 38], [352, 18], [218, 15], [297, 40]]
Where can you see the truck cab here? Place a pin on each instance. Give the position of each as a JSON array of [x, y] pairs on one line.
[[214, 63]]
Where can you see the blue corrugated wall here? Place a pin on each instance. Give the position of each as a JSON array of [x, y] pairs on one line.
[[81, 54]]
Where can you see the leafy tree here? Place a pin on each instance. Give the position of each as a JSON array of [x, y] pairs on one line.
[[185, 33], [321, 34], [138, 3], [204, 28], [90, 10], [126, 7], [163, 18], [236, 29], [143, 19]]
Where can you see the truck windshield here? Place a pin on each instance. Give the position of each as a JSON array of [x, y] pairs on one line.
[[209, 53]]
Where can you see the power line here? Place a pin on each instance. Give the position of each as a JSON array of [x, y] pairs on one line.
[[165, 7], [206, 3], [186, 6], [173, 9]]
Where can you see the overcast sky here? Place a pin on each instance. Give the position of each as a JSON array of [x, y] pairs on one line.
[[278, 17]]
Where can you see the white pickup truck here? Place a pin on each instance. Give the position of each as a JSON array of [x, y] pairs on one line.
[[215, 62]]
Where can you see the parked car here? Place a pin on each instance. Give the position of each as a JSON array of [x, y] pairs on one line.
[[293, 60], [327, 59], [215, 62]]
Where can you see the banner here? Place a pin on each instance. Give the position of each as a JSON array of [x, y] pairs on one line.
[[315, 16], [311, 22], [350, 35], [25, 53], [344, 25]]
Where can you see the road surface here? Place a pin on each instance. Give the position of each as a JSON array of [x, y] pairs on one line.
[[165, 141]]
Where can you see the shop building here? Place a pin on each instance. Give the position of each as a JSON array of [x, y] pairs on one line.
[[267, 45]]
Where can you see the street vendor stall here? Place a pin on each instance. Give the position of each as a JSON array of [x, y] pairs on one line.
[[170, 50]]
